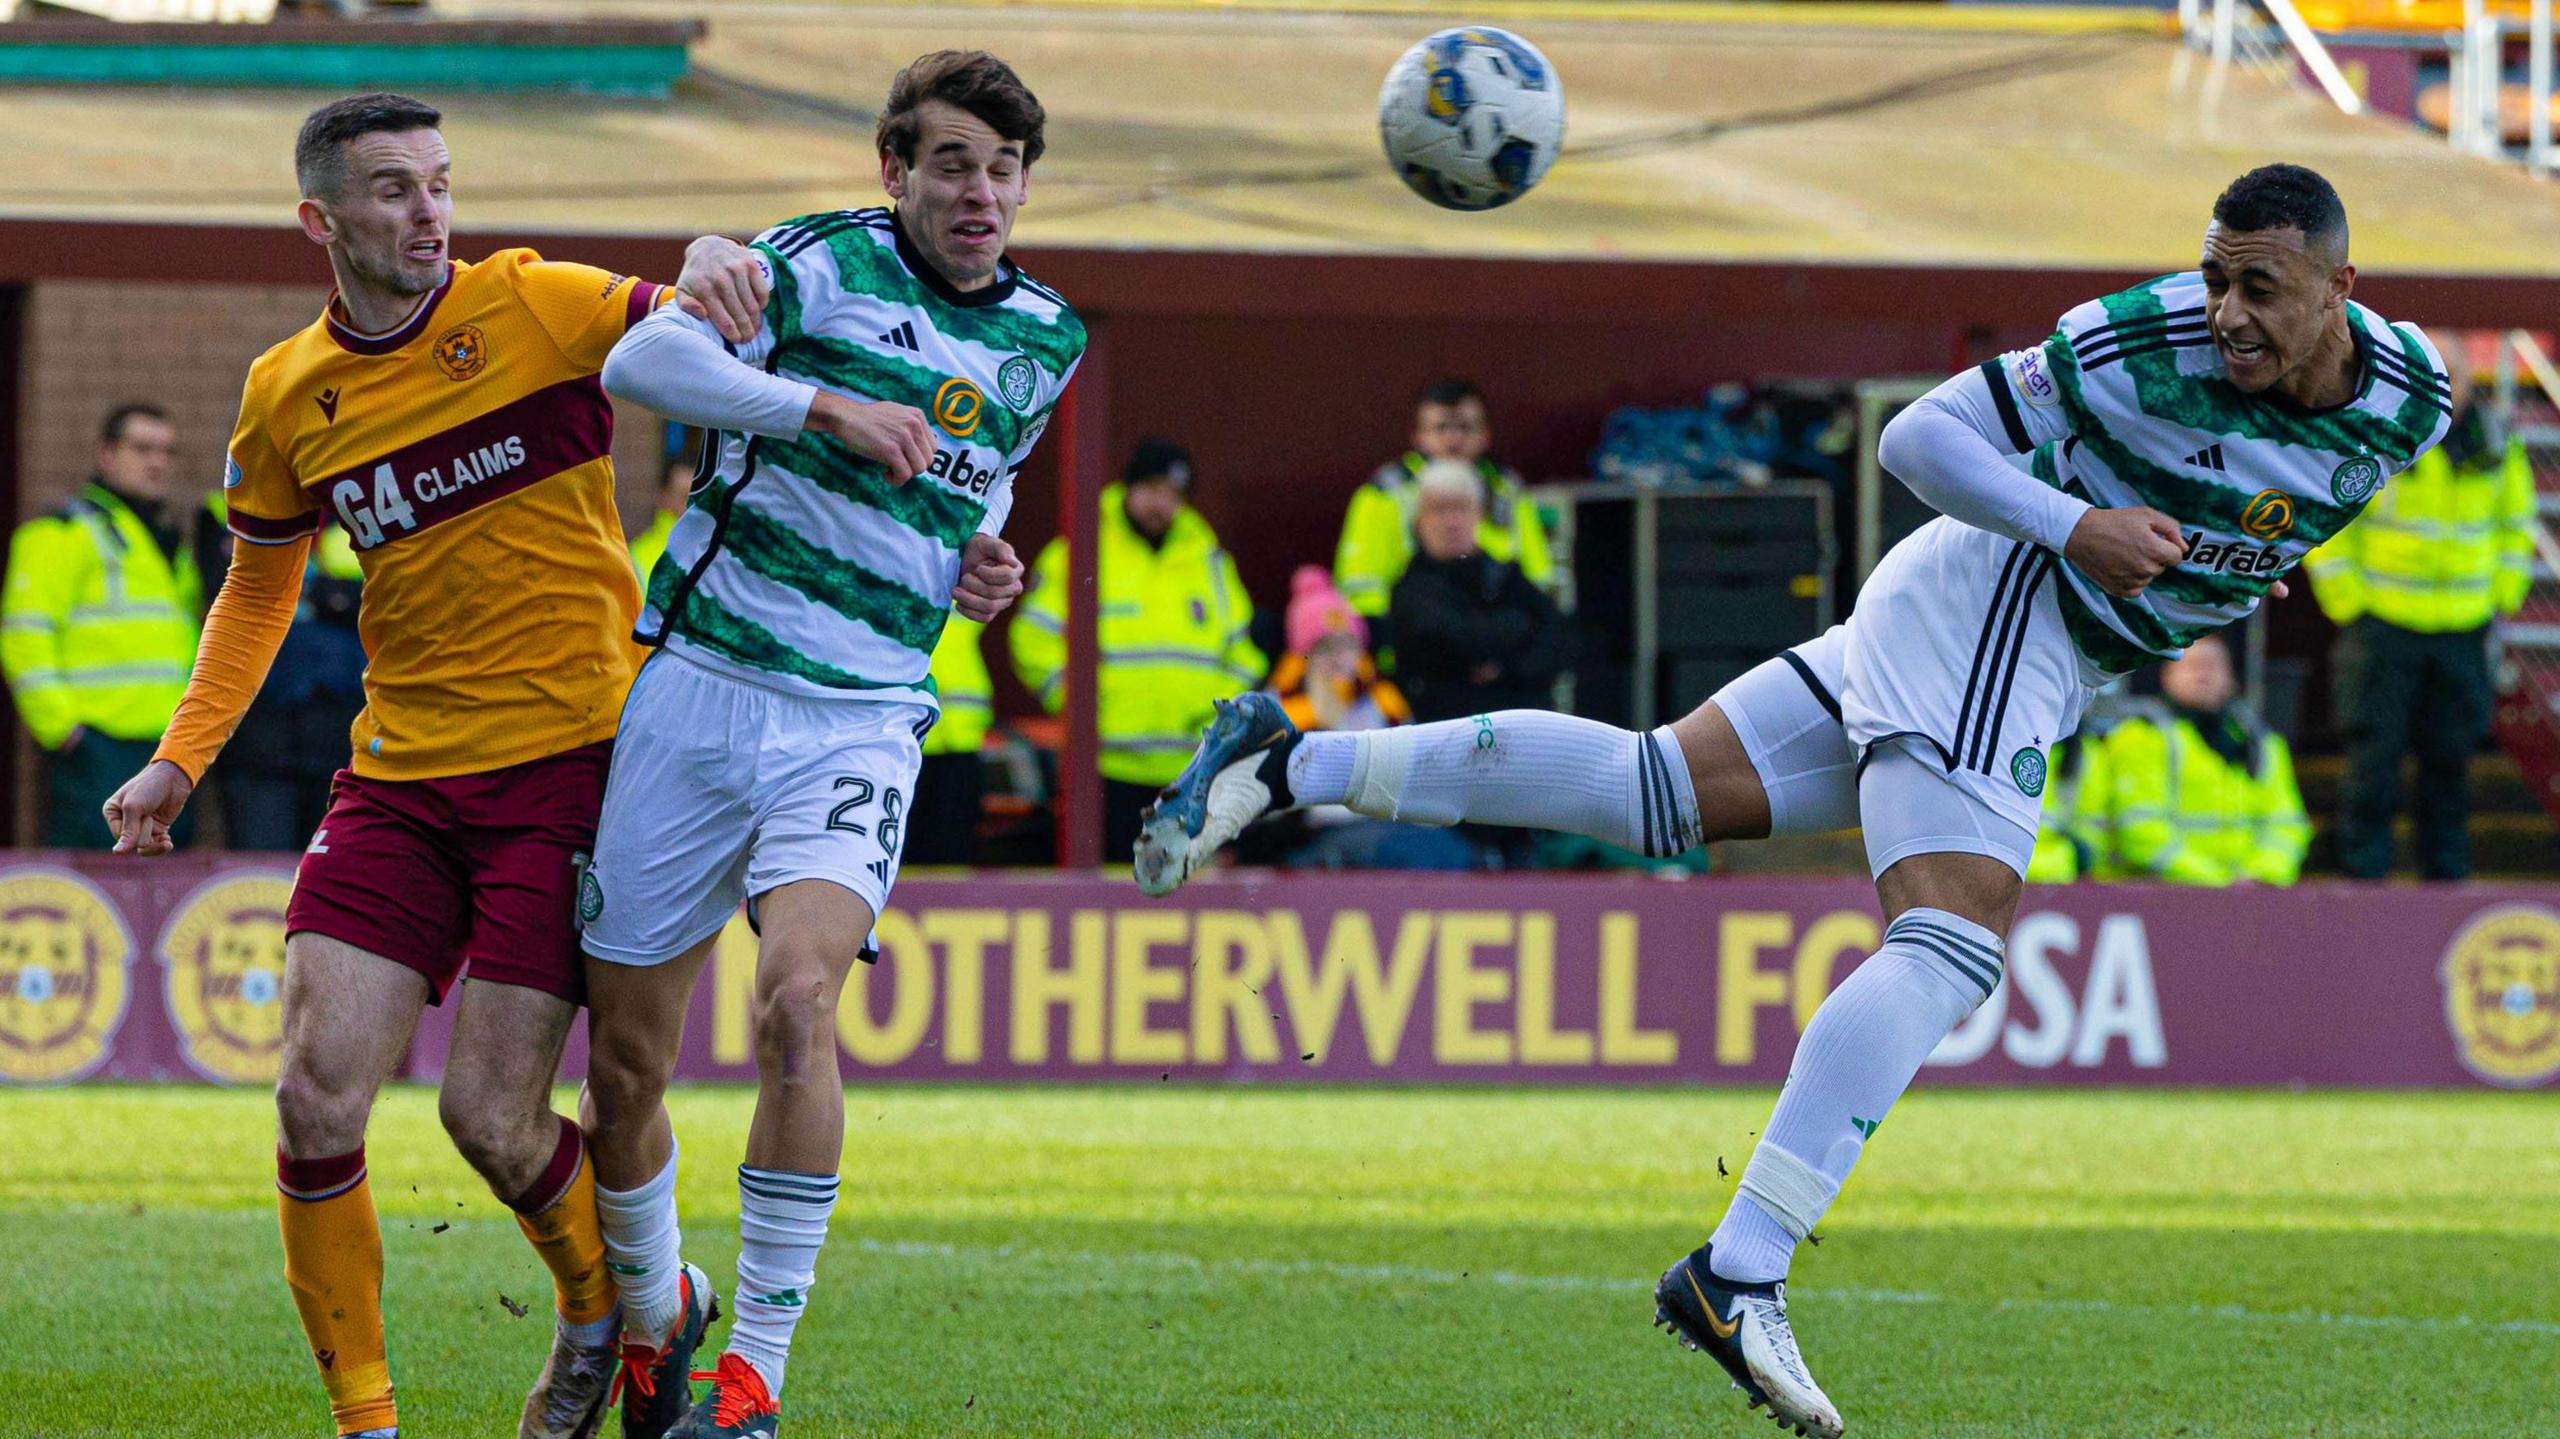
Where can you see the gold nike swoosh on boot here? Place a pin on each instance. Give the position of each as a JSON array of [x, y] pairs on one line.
[[1723, 1328]]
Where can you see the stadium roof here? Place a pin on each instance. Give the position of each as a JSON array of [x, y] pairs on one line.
[[1928, 136]]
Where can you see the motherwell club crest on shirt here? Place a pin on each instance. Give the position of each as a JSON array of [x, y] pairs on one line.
[[462, 352]]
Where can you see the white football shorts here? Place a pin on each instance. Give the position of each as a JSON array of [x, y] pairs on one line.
[[723, 790], [1928, 717]]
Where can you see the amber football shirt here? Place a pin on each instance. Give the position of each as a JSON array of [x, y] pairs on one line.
[[468, 453]]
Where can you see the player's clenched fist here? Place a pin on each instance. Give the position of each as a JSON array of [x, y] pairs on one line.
[[724, 282], [990, 578], [898, 436], [2124, 550], [141, 812]]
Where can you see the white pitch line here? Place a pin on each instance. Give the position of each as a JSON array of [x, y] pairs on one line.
[[1609, 1284], [1616, 1284]]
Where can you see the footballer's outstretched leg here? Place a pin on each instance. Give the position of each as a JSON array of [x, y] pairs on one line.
[[1744, 1328], [1524, 768]]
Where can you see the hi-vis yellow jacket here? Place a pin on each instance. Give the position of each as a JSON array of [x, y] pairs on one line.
[[2182, 813], [650, 543], [1175, 633], [98, 628], [2443, 547], [2073, 833], [961, 682]]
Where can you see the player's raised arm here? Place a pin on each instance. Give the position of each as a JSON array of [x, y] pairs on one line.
[[1952, 447], [680, 367]]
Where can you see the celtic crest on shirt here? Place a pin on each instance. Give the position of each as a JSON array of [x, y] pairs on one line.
[[1014, 380]]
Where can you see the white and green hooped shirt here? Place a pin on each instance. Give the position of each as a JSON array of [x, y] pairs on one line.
[[799, 565], [2128, 404]]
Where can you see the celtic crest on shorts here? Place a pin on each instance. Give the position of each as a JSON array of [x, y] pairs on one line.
[[590, 890], [2027, 768]]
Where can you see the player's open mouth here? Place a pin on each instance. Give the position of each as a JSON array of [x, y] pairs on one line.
[[2240, 354], [971, 232], [425, 250]]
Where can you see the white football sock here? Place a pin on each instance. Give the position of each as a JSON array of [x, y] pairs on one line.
[[643, 1248], [1862, 1050], [782, 1219], [1525, 768]]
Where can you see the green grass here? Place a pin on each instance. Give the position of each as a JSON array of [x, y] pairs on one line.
[[1157, 1261]]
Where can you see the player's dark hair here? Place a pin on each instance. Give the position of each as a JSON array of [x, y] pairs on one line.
[[319, 152], [972, 80], [111, 430], [1450, 391], [2287, 197]]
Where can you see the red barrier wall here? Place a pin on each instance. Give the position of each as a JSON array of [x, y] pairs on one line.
[[172, 970]]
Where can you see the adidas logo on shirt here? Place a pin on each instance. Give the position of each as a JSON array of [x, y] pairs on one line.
[[2208, 458], [903, 337]]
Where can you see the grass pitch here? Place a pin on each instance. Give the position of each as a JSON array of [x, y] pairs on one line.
[[1156, 1261]]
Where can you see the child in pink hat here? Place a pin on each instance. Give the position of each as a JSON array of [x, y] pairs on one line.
[[1327, 680]]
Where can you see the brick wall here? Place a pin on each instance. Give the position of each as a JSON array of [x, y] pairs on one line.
[[92, 345]]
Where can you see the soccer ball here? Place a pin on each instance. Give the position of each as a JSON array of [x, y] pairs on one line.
[[1471, 118]]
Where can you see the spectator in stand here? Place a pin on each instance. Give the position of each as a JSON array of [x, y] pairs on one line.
[[675, 491], [2414, 585], [2202, 792], [942, 823], [1377, 530], [2072, 836], [297, 735], [1174, 622], [1473, 635], [1327, 681], [105, 599]]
